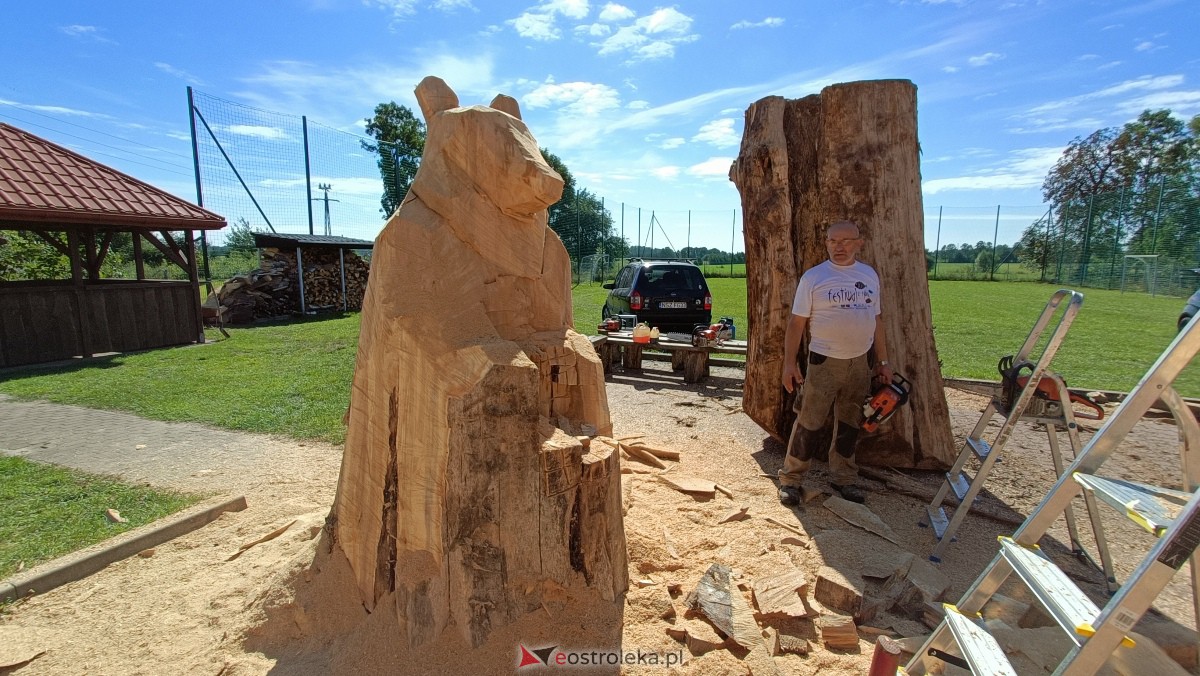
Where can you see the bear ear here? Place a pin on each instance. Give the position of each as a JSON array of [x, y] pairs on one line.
[[435, 96], [506, 104]]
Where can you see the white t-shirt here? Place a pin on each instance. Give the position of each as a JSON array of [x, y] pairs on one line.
[[841, 303]]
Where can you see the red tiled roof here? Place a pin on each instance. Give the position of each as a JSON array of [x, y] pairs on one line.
[[44, 184]]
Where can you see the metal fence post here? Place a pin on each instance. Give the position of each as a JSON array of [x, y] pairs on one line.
[[937, 244], [995, 236]]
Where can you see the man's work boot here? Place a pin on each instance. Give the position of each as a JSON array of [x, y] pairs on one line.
[[789, 495], [850, 492]]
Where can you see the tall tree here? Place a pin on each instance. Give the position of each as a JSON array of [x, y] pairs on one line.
[[579, 217], [1107, 194], [399, 142]]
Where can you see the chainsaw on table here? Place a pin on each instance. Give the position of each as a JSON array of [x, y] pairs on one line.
[[713, 335], [885, 400]]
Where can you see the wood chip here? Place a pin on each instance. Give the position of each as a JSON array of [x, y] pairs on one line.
[[737, 514], [266, 538], [781, 594], [114, 516], [861, 516], [793, 529], [641, 455], [663, 453], [689, 484]]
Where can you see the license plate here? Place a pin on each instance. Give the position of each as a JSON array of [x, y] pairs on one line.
[[672, 305]]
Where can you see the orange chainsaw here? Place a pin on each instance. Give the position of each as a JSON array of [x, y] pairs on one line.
[[884, 401], [1014, 377]]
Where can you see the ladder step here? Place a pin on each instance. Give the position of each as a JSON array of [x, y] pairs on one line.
[[959, 484], [1069, 606], [937, 520], [978, 647], [1151, 507], [979, 447]]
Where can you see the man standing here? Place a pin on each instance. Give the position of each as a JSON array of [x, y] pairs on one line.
[[838, 302]]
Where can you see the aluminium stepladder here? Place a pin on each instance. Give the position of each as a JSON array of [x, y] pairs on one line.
[[1029, 408], [1171, 516]]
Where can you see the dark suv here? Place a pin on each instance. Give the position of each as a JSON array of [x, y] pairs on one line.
[[670, 294]]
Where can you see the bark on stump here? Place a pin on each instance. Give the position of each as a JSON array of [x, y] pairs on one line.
[[466, 500], [849, 153]]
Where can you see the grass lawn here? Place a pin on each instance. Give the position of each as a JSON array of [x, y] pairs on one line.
[[50, 511], [1113, 341], [294, 379]]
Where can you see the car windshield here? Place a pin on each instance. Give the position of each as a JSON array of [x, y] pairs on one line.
[[664, 279]]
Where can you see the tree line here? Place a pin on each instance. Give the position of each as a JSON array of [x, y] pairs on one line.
[[1120, 191]]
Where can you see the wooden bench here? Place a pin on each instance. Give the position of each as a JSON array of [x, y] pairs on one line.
[[693, 361]]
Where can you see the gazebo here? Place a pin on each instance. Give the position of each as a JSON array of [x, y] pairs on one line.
[[77, 206]]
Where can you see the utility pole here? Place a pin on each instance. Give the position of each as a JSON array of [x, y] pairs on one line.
[[325, 187]]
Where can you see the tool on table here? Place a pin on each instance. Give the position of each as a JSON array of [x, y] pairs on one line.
[[713, 334]]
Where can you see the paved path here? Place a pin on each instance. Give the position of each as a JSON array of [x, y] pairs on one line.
[[179, 455]]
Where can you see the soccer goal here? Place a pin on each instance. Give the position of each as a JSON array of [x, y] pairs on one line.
[[1149, 267], [592, 268]]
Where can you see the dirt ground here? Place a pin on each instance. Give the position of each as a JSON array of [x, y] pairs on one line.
[[196, 605]]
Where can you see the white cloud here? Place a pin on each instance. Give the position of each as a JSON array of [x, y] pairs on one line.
[[257, 131], [56, 110], [639, 104], [536, 26], [671, 143], [612, 12], [666, 173], [452, 5], [1146, 46], [1145, 83], [650, 37], [576, 98], [718, 133], [769, 22], [949, 69], [594, 30], [984, 59], [398, 8], [86, 33], [713, 167], [1023, 169], [325, 94], [541, 22], [181, 74], [572, 9]]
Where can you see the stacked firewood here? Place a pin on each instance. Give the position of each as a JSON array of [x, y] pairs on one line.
[[323, 277], [273, 289], [258, 295]]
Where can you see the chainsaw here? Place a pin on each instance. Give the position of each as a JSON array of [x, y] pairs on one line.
[[713, 334], [885, 400], [1046, 402]]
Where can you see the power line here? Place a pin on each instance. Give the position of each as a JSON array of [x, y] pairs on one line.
[[170, 168], [94, 131]]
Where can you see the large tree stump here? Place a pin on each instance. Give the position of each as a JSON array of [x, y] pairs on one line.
[[849, 153], [466, 500]]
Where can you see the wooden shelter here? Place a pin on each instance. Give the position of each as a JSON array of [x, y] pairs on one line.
[[78, 206]]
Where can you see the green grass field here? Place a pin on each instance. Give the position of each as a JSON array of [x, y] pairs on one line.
[[50, 511], [293, 379]]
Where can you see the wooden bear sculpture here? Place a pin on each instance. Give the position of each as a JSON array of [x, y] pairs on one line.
[[466, 498]]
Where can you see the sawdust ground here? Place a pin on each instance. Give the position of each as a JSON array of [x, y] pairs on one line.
[[287, 606]]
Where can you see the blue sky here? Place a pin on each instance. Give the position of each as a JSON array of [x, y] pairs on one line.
[[643, 101]]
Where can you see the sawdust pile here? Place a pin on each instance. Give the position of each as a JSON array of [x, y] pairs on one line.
[[286, 605]]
